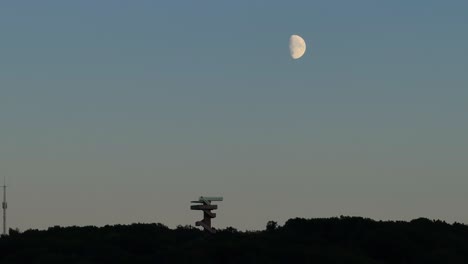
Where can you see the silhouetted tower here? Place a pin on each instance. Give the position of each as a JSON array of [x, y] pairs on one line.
[[206, 206], [4, 206]]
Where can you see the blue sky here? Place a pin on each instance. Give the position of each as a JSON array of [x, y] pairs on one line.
[[123, 111]]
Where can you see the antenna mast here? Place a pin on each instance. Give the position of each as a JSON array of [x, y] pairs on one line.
[[4, 206]]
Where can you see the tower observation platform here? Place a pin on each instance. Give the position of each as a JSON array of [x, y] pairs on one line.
[[204, 203]]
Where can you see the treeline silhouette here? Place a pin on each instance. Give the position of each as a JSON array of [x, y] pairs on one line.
[[330, 240]]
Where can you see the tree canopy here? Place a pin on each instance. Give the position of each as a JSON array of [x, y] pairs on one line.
[[327, 240]]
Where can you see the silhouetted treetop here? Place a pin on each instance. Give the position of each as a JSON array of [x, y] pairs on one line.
[[322, 240]]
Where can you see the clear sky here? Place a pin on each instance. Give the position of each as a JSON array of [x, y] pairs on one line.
[[124, 111]]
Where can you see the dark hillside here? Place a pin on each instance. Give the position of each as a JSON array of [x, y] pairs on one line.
[[332, 240]]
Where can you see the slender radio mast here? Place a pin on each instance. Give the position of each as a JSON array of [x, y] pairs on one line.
[[4, 206]]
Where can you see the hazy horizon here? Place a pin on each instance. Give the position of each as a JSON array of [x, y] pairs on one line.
[[120, 112]]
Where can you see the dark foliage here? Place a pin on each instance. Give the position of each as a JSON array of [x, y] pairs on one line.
[[332, 240]]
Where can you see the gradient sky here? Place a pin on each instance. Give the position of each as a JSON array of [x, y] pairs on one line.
[[124, 111]]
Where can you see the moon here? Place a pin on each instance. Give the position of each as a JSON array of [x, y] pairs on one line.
[[297, 46]]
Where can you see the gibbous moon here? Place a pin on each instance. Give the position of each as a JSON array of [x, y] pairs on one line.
[[297, 46]]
